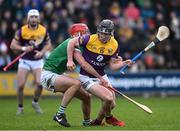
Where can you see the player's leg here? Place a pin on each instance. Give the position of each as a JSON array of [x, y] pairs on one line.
[[107, 98], [85, 97], [38, 90], [92, 85], [114, 101], [110, 119], [69, 87], [22, 74], [113, 93], [64, 84]]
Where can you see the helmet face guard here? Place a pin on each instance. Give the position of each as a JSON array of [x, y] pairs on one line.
[[78, 29], [33, 18], [106, 26], [105, 30], [33, 12]]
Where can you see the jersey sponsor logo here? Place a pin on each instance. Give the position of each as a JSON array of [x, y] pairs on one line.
[[98, 63], [99, 58], [37, 39]]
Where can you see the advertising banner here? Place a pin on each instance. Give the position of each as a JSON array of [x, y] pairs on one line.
[[152, 81], [8, 85], [135, 82]]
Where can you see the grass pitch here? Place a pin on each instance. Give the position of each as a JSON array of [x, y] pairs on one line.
[[166, 113]]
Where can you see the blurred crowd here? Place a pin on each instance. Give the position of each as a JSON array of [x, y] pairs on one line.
[[136, 23]]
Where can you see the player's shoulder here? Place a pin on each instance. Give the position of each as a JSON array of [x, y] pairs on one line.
[[24, 27], [93, 37], [22, 30], [84, 39], [113, 41], [41, 27], [66, 40]]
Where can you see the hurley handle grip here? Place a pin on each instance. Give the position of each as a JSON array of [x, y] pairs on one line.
[[134, 59]]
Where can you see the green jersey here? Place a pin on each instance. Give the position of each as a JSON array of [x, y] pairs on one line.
[[56, 62]]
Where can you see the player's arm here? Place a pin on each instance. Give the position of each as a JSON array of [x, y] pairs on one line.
[[46, 48], [87, 67], [70, 50], [17, 47], [116, 63]]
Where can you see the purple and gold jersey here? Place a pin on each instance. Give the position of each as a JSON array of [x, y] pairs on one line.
[[96, 53], [25, 35]]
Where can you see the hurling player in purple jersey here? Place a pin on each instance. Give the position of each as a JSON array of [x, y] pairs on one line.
[[99, 50], [33, 39]]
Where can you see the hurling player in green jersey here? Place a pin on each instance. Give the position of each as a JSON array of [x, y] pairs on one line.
[[54, 80]]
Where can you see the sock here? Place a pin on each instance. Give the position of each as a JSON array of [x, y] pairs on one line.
[[86, 122], [108, 117], [61, 110], [98, 122], [20, 105], [35, 100]]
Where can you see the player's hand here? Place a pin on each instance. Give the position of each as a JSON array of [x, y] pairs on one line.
[[129, 62], [117, 59], [38, 54], [70, 65], [32, 43], [103, 82], [27, 49], [110, 88]]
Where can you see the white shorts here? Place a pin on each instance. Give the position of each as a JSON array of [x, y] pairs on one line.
[[48, 79], [88, 82], [30, 64]]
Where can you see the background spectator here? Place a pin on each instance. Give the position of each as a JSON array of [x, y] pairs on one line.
[[4, 56]]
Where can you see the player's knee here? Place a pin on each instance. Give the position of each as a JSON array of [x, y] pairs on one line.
[[77, 84], [109, 98], [113, 105], [20, 88], [37, 83]]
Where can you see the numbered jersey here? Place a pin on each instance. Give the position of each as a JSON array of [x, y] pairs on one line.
[[25, 36], [96, 53]]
